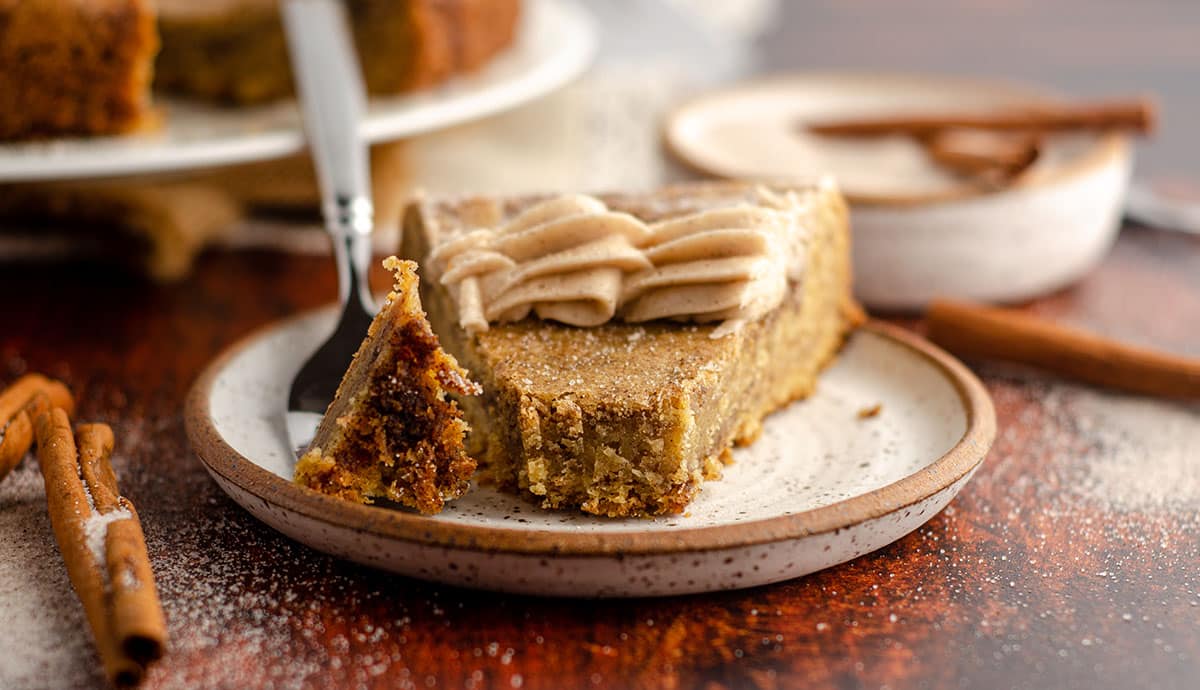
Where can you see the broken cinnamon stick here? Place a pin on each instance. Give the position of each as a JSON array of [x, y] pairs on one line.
[[20, 405], [976, 331], [1137, 115], [102, 545]]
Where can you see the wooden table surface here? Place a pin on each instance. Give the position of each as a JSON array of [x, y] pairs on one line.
[[1071, 560], [1039, 575]]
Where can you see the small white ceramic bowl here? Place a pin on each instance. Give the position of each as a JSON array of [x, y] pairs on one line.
[[919, 232]]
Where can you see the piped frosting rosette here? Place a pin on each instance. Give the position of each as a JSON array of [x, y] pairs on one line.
[[571, 259]]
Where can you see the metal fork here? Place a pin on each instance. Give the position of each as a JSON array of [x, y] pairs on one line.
[[332, 100]]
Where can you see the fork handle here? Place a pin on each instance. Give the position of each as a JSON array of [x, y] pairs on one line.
[[332, 101]]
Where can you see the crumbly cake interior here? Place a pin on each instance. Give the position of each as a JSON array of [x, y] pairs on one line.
[[624, 419], [391, 432]]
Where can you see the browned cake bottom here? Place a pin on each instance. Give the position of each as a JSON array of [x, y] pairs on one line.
[[625, 419], [391, 432]]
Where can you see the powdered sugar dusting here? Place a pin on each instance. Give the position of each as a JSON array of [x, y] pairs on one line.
[[221, 604], [44, 636], [128, 580], [95, 528], [1146, 453], [1114, 451]]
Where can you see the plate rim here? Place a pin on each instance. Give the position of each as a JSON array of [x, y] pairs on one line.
[[480, 101], [222, 460], [1108, 148]]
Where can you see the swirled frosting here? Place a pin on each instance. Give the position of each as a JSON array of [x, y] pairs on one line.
[[572, 259]]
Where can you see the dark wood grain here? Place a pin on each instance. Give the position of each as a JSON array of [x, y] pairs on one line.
[[1022, 582]]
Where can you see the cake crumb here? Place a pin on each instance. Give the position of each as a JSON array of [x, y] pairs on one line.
[[870, 412]]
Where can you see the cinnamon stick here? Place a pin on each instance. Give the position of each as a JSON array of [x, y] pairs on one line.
[[70, 515], [988, 333], [102, 545], [991, 158], [138, 620], [18, 436], [137, 616], [1137, 115], [20, 404], [95, 443]]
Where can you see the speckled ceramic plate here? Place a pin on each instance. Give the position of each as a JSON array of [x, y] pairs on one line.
[[555, 42], [823, 485]]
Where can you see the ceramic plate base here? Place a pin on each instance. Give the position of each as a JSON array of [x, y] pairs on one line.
[[823, 485]]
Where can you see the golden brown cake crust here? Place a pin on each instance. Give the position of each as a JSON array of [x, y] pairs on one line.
[[391, 432], [627, 419], [75, 66], [236, 51]]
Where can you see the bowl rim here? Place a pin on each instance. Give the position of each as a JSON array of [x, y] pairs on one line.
[[223, 461], [1109, 147]]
